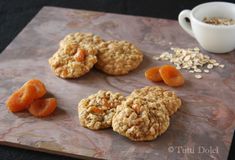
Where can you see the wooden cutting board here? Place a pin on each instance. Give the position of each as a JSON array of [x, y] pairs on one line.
[[201, 129]]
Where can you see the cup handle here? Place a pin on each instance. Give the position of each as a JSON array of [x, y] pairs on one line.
[[183, 23]]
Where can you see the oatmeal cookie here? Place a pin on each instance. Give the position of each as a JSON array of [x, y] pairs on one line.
[[76, 55], [168, 98], [118, 57], [86, 41], [68, 65], [96, 111], [140, 119]]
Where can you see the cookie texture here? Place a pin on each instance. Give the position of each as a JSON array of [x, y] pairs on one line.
[[68, 66], [168, 98], [76, 55], [140, 119], [118, 57], [87, 41], [97, 111]]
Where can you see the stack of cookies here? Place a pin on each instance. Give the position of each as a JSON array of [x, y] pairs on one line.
[[142, 116], [79, 52]]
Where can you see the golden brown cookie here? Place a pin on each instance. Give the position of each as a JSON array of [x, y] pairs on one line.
[[96, 111], [87, 41], [74, 65], [118, 57], [168, 98], [76, 55], [140, 119]]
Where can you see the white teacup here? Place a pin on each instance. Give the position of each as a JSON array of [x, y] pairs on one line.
[[213, 38]]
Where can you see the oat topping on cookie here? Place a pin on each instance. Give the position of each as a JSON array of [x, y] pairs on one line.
[[72, 66], [118, 57], [140, 119], [168, 98], [96, 111], [86, 41]]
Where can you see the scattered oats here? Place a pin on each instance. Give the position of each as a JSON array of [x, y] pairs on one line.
[[210, 66], [187, 58], [156, 57], [206, 70], [184, 67], [194, 67], [190, 59], [191, 71], [221, 66], [213, 61], [198, 70], [206, 57], [198, 76], [178, 67]]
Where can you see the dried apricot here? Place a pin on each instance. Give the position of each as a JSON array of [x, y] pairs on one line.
[[153, 74], [171, 76], [39, 86], [97, 110], [43, 107], [21, 99], [80, 55], [71, 48]]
